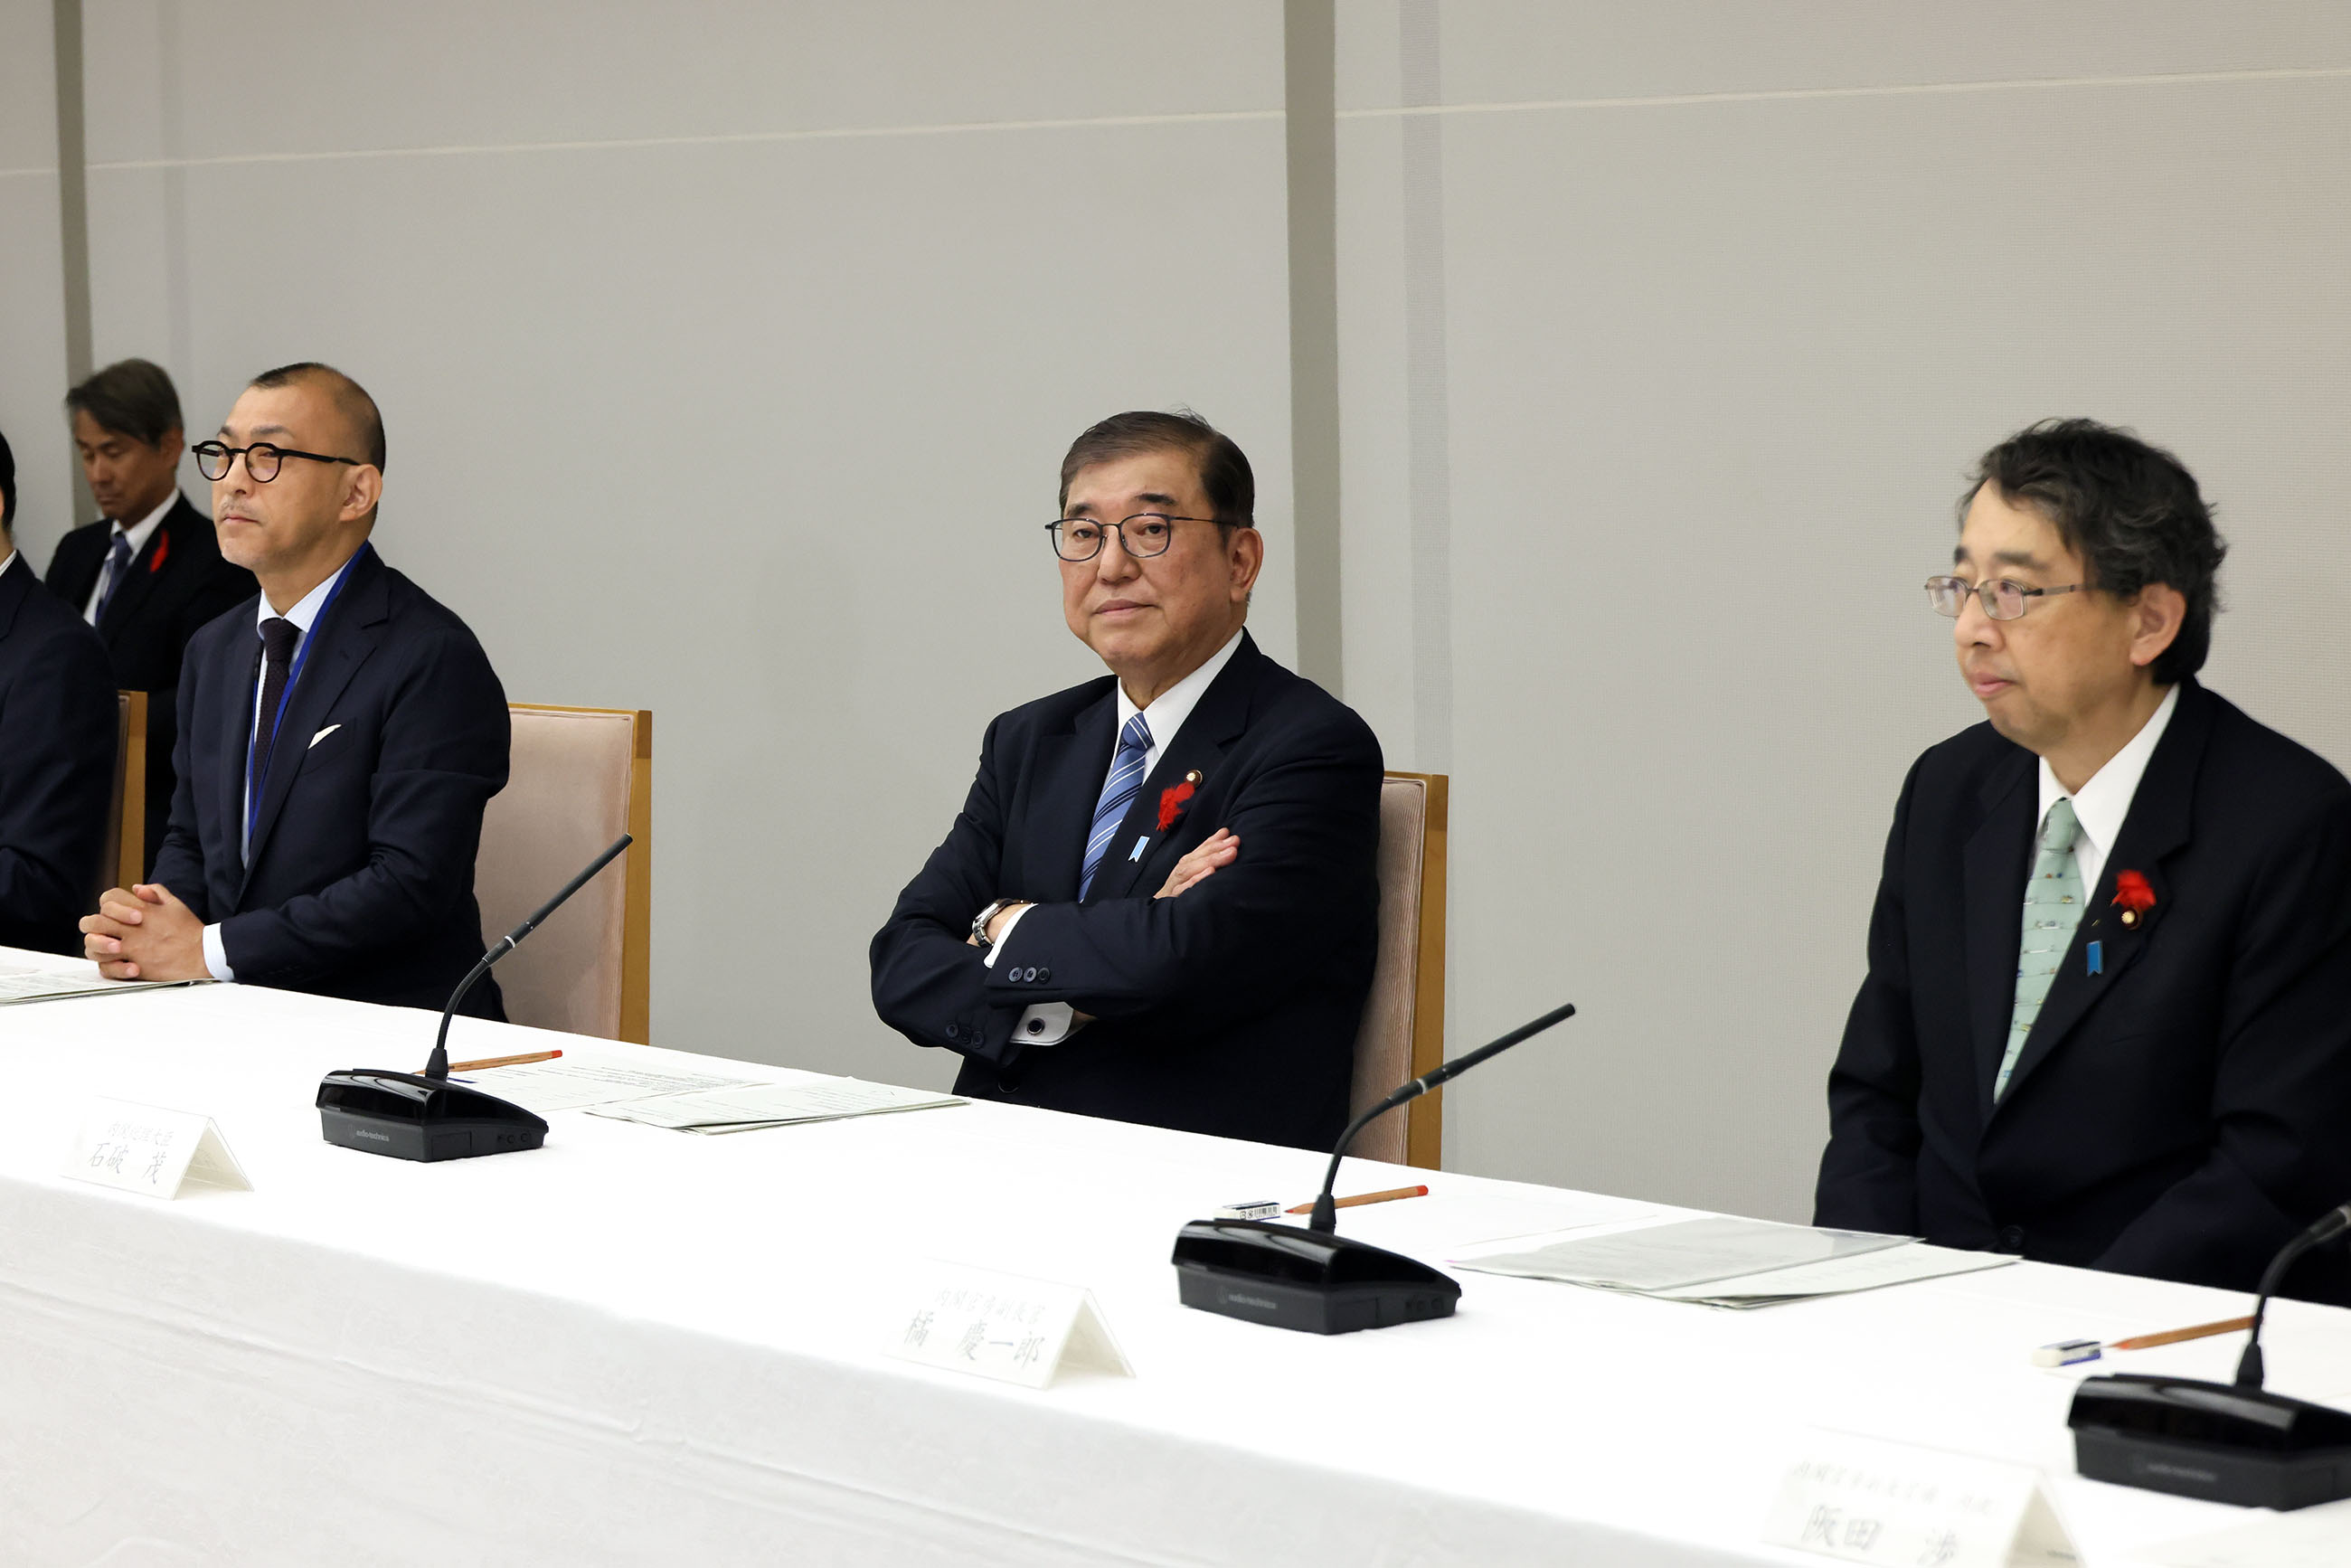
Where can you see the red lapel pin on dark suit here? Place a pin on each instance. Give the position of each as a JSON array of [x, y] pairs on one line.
[[163, 548], [1172, 799], [2135, 896]]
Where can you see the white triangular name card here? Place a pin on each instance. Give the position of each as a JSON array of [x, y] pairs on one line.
[[147, 1149], [1864, 1499], [1003, 1326]]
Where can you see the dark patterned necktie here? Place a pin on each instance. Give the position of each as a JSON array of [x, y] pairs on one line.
[[278, 637], [118, 567]]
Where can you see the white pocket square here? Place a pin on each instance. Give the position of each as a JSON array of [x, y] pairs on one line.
[[323, 733]]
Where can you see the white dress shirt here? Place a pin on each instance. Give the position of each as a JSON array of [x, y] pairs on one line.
[[137, 536], [2101, 804], [1048, 1023], [305, 615]]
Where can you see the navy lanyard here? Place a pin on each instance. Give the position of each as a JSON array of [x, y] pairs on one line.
[[260, 780]]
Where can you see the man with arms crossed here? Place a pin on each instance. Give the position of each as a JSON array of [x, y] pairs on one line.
[[149, 573], [2107, 1018], [58, 721], [1160, 901], [339, 737]]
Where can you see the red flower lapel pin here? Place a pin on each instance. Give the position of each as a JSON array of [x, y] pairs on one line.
[[163, 548], [2135, 896], [1172, 799]]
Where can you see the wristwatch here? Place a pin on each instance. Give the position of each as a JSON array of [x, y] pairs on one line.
[[979, 921]]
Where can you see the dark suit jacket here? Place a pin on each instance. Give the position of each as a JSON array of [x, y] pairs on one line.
[[2181, 1114], [58, 722], [1231, 1009], [361, 881], [177, 583]]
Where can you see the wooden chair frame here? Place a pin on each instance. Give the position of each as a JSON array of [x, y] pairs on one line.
[[1424, 1117], [637, 909], [126, 864]]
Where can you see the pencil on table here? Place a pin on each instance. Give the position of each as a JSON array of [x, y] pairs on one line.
[[2173, 1336], [1388, 1197], [489, 1061]]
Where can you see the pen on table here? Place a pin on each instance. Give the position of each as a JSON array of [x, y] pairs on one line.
[[489, 1061], [2067, 1351], [1388, 1197]]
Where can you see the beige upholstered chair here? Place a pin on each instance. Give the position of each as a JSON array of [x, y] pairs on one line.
[[578, 779], [122, 861], [1403, 1034]]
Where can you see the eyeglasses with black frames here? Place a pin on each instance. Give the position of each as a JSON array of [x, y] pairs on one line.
[[261, 460], [1143, 535], [2002, 599]]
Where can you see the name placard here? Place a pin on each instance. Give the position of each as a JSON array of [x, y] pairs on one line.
[[148, 1149], [1863, 1499], [1003, 1326]]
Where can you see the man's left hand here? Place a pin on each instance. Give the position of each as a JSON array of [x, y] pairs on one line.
[[145, 933]]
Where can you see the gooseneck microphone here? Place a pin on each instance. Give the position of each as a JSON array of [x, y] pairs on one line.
[[427, 1115], [1325, 1218], [437, 1066], [1314, 1279], [2331, 1224]]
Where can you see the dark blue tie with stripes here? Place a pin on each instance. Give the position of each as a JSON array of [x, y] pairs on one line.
[[1118, 794]]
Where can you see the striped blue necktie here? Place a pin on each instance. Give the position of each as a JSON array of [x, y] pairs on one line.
[[1118, 794]]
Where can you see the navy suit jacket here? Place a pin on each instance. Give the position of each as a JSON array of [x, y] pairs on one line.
[[58, 723], [1231, 1009], [2181, 1114], [361, 879], [178, 582]]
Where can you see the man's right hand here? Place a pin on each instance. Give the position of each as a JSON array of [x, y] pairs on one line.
[[1218, 849]]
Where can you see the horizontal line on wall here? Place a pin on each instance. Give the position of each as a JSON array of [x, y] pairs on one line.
[[1907, 89], [732, 139], [28, 174]]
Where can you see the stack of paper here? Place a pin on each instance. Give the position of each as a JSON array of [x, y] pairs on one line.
[[19, 985], [1729, 1262], [573, 1083], [747, 1107]]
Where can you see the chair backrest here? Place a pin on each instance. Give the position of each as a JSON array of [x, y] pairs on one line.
[[1403, 1032], [577, 779], [122, 858]]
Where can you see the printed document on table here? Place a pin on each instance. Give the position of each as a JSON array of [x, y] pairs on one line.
[[1837, 1276], [1661, 1257], [24, 985], [753, 1105], [569, 1084]]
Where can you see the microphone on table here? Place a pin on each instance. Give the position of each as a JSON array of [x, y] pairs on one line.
[[1315, 1279], [424, 1115], [2228, 1442]]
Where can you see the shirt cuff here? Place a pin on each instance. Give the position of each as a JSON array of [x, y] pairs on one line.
[[1004, 935], [216, 955], [1047, 1023]]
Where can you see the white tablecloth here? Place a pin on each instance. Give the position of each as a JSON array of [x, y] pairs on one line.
[[644, 1346]]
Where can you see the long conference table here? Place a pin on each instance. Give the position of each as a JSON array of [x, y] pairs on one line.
[[637, 1345]]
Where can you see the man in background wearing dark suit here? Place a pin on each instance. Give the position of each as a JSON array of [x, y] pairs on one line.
[[149, 573], [339, 737], [2107, 1018], [1160, 901], [56, 750]]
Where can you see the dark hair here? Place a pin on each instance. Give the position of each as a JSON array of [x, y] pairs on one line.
[[1225, 474], [351, 401], [7, 486], [134, 398], [2131, 511]]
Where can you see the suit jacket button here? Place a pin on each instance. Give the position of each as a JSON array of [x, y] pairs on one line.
[[1036, 1026], [954, 1033], [1029, 973], [1042, 973], [2011, 1238]]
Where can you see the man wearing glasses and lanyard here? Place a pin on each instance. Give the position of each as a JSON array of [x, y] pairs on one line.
[[1160, 901], [2107, 1017], [337, 744]]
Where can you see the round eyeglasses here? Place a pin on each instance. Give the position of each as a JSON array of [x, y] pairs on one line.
[[261, 460], [2002, 599], [1143, 535]]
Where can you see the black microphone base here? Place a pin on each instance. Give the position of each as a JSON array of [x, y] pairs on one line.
[[2210, 1440], [1314, 1281], [411, 1117]]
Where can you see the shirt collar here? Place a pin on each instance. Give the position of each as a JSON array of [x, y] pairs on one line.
[[1171, 707], [140, 532], [305, 615], [2101, 804], [4, 565]]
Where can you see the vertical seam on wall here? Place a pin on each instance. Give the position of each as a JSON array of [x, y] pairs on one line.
[[73, 216], [1428, 429], [1310, 62]]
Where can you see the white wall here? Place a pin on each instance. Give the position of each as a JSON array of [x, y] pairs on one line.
[[728, 353], [727, 356], [1731, 297], [32, 287]]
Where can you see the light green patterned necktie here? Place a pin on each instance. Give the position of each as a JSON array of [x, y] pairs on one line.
[[2052, 907]]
